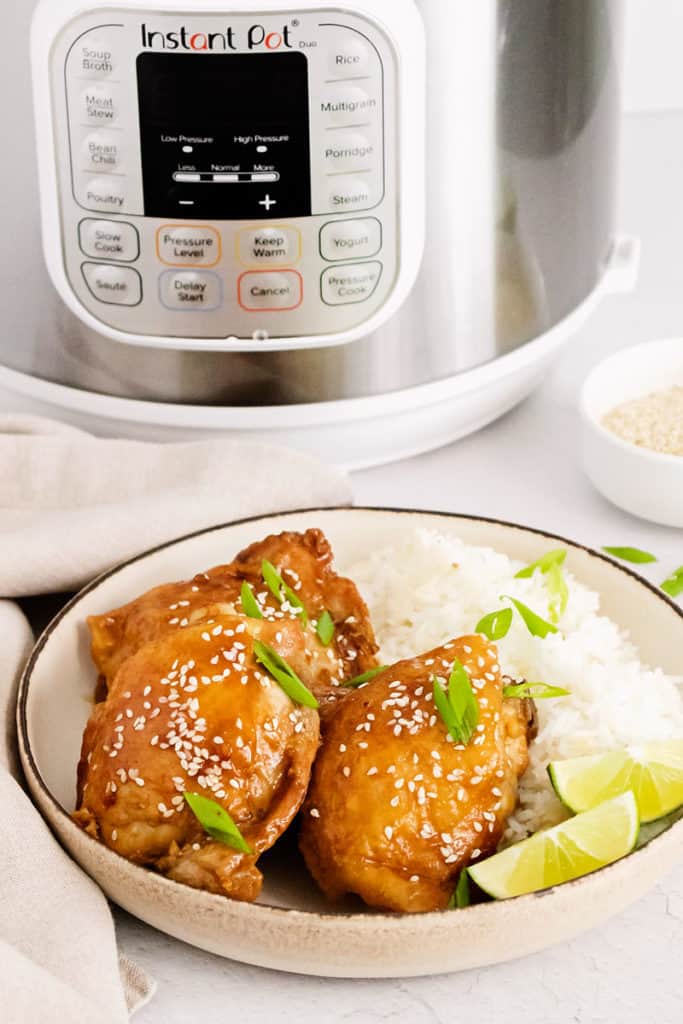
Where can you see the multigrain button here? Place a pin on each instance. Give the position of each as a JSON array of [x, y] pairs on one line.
[[190, 290], [281, 290], [351, 239], [116, 286], [349, 151], [352, 194], [109, 239], [102, 152], [269, 246], [349, 58], [108, 194], [348, 105], [100, 104], [344, 286], [188, 245]]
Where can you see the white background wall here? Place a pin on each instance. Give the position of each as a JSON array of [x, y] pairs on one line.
[[654, 55]]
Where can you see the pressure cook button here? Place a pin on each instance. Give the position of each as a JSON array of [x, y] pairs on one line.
[[100, 104], [348, 105], [349, 58], [351, 239], [190, 290], [104, 194], [102, 151], [342, 286], [270, 246], [109, 239], [349, 151], [271, 291], [352, 194], [93, 57], [188, 245], [117, 286]]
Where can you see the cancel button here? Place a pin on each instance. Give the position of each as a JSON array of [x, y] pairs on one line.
[[342, 286]]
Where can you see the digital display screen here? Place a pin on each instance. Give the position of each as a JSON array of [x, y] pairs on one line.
[[225, 136]]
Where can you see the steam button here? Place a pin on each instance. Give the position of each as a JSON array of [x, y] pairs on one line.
[[352, 194], [115, 286]]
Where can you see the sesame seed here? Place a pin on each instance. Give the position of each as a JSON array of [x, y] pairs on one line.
[[314, 812], [388, 831]]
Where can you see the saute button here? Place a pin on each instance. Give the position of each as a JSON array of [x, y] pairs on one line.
[[349, 58], [190, 290], [351, 239], [271, 291], [342, 286], [100, 104], [270, 246], [187, 245], [109, 239], [117, 286], [104, 194], [348, 105]]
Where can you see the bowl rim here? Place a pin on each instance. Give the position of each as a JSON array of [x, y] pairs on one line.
[[592, 420], [368, 917]]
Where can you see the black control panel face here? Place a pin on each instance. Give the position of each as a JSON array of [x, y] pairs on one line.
[[218, 132]]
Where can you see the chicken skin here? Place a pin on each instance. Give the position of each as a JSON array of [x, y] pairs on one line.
[[193, 712], [396, 808], [305, 563]]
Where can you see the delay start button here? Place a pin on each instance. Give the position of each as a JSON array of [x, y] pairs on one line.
[[190, 290], [278, 290], [188, 245], [343, 286]]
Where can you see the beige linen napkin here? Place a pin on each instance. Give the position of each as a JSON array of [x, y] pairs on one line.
[[70, 507]]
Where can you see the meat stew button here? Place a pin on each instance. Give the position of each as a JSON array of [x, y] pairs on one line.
[[281, 290], [342, 286]]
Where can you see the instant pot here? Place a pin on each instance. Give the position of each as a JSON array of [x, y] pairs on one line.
[[361, 228]]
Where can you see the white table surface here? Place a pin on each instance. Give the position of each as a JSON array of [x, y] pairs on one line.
[[525, 469]]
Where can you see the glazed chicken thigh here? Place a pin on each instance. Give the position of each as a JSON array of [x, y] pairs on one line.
[[397, 808], [304, 561], [193, 712]]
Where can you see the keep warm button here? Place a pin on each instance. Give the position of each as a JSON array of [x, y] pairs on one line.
[[342, 286]]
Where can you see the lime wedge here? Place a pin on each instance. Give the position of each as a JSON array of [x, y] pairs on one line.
[[575, 848], [653, 771]]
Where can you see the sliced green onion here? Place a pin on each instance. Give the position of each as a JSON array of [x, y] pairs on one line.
[[216, 822], [249, 602], [325, 629], [673, 586], [534, 623], [496, 625], [461, 896], [556, 586], [634, 555], [458, 707], [284, 675], [281, 590], [367, 677], [535, 691], [543, 564]]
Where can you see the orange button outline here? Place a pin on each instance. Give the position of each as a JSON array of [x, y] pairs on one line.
[[193, 263], [257, 227], [269, 309]]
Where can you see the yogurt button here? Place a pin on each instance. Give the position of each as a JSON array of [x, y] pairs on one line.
[[351, 239]]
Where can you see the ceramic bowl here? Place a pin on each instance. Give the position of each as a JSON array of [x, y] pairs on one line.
[[646, 483], [291, 927]]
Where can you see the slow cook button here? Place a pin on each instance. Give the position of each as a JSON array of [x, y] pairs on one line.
[[117, 286], [342, 286], [282, 290], [104, 193], [188, 245], [109, 239], [190, 290], [270, 246], [348, 105], [351, 239]]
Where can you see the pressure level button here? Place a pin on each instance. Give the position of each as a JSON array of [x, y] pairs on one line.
[[188, 245]]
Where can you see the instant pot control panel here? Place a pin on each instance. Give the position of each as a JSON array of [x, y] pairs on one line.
[[228, 177]]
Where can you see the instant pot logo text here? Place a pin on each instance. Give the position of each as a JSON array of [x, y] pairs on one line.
[[257, 37]]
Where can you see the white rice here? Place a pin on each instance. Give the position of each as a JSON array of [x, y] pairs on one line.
[[431, 588]]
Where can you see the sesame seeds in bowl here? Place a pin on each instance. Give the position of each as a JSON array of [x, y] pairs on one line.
[[293, 927]]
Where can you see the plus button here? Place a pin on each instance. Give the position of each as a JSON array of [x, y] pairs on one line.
[[268, 202]]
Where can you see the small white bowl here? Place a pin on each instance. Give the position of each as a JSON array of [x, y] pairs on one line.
[[646, 483]]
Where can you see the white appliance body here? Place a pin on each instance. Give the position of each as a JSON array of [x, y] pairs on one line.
[[361, 227]]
